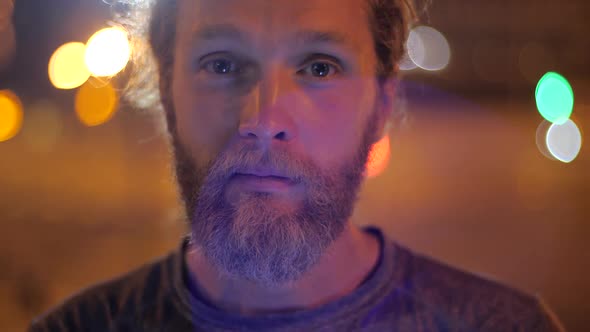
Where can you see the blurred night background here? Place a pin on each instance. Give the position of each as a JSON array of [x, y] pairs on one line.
[[472, 177]]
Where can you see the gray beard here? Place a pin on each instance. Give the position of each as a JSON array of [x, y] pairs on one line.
[[253, 240]]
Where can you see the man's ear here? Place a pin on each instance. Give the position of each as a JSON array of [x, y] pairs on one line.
[[384, 105]]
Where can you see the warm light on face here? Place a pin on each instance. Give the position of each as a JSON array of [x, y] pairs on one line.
[[67, 69], [11, 115], [7, 34], [107, 52], [378, 157], [95, 106]]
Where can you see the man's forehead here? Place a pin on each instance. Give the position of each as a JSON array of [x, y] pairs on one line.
[[301, 20]]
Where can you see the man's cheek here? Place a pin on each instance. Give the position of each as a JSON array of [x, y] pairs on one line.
[[332, 134], [208, 128]]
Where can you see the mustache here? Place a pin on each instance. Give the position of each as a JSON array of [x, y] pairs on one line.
[[245, 158]]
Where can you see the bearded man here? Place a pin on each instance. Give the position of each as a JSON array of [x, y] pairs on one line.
[[272, 108]]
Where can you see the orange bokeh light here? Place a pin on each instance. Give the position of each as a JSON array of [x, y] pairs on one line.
[[67, 69], [11, 115], [378, 157], [95, 105]]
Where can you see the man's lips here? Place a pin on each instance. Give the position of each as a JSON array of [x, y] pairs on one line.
[[267, 177], [263, 180], [263, 172]]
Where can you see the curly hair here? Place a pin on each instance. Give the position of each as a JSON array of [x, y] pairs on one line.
[[151, 25]]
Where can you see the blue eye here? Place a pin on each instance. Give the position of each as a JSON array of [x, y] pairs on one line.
[[320, 69], [220, 66]]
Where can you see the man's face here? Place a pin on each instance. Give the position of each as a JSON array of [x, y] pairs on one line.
[[276, 107]]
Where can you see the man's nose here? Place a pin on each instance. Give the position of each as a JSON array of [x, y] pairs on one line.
[[268, 116]]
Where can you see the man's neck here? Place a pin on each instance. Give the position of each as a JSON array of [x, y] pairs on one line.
[[341, 269]]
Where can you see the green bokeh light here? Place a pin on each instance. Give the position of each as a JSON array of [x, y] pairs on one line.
[[555, 98]]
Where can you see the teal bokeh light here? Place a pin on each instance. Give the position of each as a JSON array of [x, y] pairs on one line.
[[555, 98]]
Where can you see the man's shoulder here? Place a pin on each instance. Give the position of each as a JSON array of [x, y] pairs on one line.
[[447, 282], [470, 300], [102, 306]]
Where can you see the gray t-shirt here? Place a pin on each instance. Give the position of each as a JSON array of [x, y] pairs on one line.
[[404, 292]]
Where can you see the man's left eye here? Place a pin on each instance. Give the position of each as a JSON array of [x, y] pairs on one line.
[[320, 69]]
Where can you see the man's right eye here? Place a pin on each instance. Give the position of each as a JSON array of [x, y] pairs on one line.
[[220, 66]]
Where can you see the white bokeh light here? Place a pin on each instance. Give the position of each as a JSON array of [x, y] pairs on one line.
[[406, 63], [564, 141], [414, 50], [107, 52], [541, 139], [428, 48]]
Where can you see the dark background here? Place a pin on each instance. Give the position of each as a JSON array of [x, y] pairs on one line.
[[466, 182]]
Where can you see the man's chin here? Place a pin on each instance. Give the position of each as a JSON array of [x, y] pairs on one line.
[[261, 237]]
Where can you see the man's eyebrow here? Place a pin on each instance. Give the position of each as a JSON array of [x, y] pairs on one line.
[[299, 38], [217, 31], [320, 37]]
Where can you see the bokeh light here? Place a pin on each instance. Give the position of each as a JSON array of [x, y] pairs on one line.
[[415, 47], [11, 115], [406, 63], [541, 139], [428, 48], [43, 127], [95, 105], [379, 157], [107, 52], [67, 69], [564, 141], [555, 98]]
